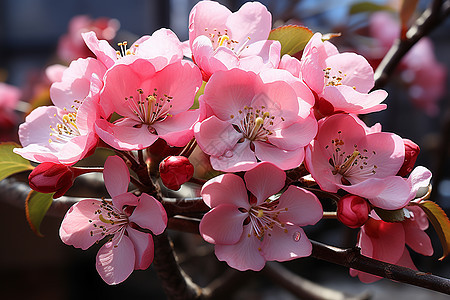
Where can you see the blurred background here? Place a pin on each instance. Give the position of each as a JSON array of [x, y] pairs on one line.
[[35, 34]]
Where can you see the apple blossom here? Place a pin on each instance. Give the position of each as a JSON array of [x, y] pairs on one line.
[[154, 104], [175, 170], [255, 117], [222, 40], [340, 79], [386, 241], [91, 220], [249, 225], [347, 155]]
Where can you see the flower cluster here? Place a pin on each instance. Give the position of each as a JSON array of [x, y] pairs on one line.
[[259, 115]]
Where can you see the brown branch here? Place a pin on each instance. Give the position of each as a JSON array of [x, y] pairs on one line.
[[352, 258], [303, 288], [429, 20]]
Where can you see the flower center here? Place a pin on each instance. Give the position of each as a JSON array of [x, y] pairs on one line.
[[264, 217], [255, 123], [333, 78], [355, 165], [112, 221], [223, 39], [65, 129], [150, 109], [124, 51]]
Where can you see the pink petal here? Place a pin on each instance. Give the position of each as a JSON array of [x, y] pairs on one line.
[[150, 214], [264, 181], [345, 98], [223, 225], [419, 177], [143, 247], [240, 158], [297, 135], [285, 244], [225, 189], [251, 20], [415, 236], [284, 159], [125, 199], [290, 64], [216, 137], [229, 91], [104, 52], [124, 137], [176, 130], [115, 260], [116, 176], [243, 255], [406, 261], [303, 207], [76, 229], [261, 55], [354, 69]]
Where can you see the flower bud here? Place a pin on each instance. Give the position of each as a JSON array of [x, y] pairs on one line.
[[353, 211], [411, 152], [175, 170], [50, 177]]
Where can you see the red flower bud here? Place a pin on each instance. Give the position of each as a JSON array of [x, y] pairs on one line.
[[353, 211], [50, 177], [411, 152], [175, 170]]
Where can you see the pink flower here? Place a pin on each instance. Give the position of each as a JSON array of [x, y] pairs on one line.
[[222, 40], [252, 118], [154, 104], [249, 230], [353, 211], [71, 45], [341, 79], [9, 97], [64, 133], [163, 48], [386, 241], [50, 177], [175, 170], [348, 155], [91, 220]]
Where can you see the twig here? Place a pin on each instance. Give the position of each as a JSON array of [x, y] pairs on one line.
[[303, 288], [429, 20]]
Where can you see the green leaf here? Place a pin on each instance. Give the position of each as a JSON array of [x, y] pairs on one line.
[[367, 6], [397, 215], [36, 206], [293, 38], [440, 222], [11, 163]]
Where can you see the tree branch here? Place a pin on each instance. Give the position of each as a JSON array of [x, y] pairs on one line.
[[429, 20]]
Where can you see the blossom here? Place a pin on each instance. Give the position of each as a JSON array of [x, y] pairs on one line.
[[255, 117], [9, 97], [175, 170], [340, 79], [154, 104], [387, 241], [64, 133], [162, 47], [249, 230], [50, 177], [348, 155], [222, 40], [91, 220], [353, 211]]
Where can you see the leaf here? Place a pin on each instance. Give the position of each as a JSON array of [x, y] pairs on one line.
[[36, 206], [440, 222], [11, 163], [293, 38], [407, 9], [362, 7], [397, 215]]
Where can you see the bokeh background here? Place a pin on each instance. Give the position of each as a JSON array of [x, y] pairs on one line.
[[32, 267]]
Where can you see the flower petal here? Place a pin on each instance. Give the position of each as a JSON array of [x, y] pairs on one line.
[[302, 207], [115, 261], [116, 176], [223, 225], [240, 158], [176, 130], [243, 255], [285, 244], [143, 247], [264, 180], [150, 214], [284, 159], [225, 189]]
